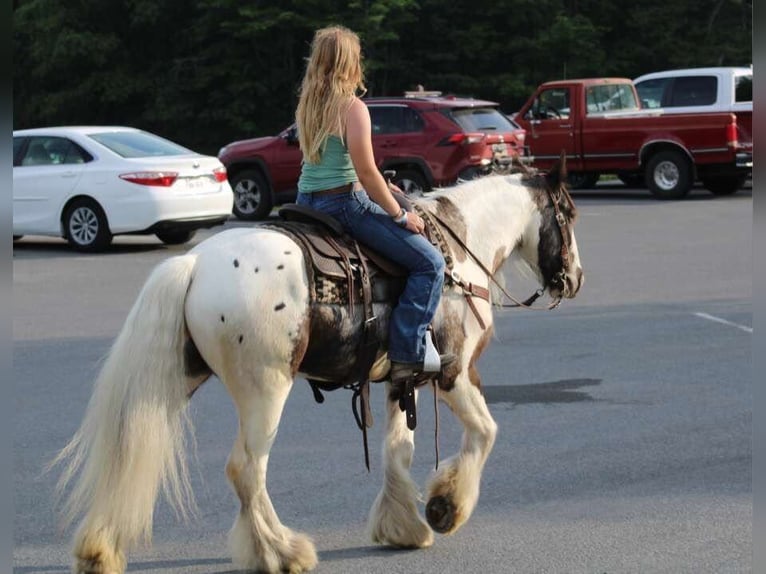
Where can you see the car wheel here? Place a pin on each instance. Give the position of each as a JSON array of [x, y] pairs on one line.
[[86, 227], [669, 175], [175, 236], [583, 179], [410, 181], [252, 196], [724, 184]]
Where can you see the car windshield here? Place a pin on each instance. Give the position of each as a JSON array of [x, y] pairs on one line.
[[138, 144], [481, 120]]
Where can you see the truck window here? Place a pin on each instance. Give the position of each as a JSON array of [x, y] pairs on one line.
[[693, 91], [743, 91], [652, 92], [609, 98], [551, 104]]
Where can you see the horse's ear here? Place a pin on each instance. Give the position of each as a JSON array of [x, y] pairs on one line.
[[557, 175]]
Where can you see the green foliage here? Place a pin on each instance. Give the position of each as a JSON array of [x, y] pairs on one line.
[[207, 72]]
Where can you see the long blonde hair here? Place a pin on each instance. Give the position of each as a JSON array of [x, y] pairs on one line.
[[333, 75]]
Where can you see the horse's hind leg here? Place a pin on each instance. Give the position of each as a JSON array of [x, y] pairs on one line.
[[454, 489], [258, 540], [394, 517]]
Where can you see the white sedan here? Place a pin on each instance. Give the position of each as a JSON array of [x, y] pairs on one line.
[[87, 184]]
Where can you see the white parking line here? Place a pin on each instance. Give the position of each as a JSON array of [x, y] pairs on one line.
[[725, 322]]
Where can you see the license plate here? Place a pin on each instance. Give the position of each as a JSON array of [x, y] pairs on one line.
[[500, 149], [197, 183]]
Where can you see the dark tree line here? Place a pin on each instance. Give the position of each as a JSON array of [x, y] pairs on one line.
[[207, 72]]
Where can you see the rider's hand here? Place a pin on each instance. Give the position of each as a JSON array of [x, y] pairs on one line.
[[414, 222]]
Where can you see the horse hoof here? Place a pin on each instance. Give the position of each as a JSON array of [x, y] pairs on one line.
[[440, 514]]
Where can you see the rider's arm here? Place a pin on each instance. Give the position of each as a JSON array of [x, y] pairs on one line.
[[359, 143]]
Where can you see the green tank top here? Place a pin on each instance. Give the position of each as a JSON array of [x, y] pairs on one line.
[[333, 170]]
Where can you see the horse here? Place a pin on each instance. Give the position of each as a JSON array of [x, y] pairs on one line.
[[238, 306]]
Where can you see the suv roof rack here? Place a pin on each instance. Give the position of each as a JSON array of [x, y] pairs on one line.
[[422, 94]]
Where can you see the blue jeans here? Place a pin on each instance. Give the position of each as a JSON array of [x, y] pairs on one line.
[[367, 222]]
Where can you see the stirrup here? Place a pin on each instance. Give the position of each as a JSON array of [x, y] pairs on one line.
[[433, 363]]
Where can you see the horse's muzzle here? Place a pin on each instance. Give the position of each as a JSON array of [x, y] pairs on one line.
[[573, 282]]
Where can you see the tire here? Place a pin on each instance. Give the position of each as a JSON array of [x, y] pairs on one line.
[[669, 175], [86, 227], [583, 179], [724, 184], [410, 181], [632, 179], [176, 236], [252, 195]]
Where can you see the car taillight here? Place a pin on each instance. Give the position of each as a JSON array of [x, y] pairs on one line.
[[219, 174], [153, 178], [731, 132], [462, 138]]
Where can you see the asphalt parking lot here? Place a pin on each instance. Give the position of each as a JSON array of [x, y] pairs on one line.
[[625, 415]]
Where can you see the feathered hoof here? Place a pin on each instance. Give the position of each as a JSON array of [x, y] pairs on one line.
[[292, 552], [99, 564], [301, 555], [95, 553], [398, 525], [440, 513]]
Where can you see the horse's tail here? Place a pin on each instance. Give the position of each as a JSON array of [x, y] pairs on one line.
[[131, 440]]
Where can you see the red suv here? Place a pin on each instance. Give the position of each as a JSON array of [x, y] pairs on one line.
[[428, 139]]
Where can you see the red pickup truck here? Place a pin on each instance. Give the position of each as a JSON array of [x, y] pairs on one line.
[[603, 129]]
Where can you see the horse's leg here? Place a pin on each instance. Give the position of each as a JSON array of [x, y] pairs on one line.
[[247, 312], [454, 489], [394, 517], [258, 540]]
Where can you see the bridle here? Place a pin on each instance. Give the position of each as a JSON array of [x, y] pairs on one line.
[[558, 280]]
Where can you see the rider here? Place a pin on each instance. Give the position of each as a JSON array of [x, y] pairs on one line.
[[339, 177]]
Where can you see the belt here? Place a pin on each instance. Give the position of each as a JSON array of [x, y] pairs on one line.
[[340, 189]]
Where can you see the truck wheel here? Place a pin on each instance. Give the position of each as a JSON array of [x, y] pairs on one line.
[[669, 175], [583, 179], [252, 196], [724, 184], [410, 181]]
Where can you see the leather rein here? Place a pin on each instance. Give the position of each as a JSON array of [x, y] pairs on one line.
[[563, 227]]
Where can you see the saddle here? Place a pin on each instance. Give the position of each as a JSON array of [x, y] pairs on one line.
[[336, 256]]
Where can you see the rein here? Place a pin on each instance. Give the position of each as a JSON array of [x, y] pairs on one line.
[[472, 289]]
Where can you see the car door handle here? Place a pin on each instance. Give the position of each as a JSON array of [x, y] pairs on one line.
[[566, 126], [388, 144], [69, 174]]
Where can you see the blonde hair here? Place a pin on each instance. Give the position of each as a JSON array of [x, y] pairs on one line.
[[333, 75]]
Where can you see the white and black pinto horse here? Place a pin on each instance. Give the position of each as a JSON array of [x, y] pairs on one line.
[[237, 306]]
